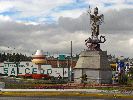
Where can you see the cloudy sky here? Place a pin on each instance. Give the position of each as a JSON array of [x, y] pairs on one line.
[[50, 25]]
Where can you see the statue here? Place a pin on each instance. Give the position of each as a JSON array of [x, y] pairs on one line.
[[95, 21], [93, 60]]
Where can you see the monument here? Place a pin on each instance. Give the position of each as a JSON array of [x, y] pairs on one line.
[[93, 62]]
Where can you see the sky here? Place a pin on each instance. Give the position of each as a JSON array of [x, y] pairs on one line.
[[51, 25]]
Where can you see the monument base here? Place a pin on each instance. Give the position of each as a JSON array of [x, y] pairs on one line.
[[95, 65], [93, 76]]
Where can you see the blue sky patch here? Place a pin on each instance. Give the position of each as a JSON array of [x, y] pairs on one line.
[[10, 12], [78, 4], [49, 19], [129, 3], [108, 4], [27, 19]]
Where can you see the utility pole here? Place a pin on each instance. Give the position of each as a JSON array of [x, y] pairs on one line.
[[71, 49], [71, 63]]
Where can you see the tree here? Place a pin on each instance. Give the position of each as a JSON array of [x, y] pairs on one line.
[[122, 78], [17, 58], [130, 73], [3, 56]]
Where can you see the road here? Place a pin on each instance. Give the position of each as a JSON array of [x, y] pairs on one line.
[[56, 98]]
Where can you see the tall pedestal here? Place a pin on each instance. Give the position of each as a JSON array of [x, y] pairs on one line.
[[95, 65]]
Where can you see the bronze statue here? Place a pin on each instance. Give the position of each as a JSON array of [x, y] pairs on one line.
[[95, 20]]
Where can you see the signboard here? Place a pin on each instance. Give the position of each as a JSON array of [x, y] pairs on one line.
[[29, 68]]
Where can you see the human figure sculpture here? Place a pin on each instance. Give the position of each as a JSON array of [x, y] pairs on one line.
[[95, 21]]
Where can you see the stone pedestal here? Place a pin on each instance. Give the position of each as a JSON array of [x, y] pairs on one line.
[[95, 65]]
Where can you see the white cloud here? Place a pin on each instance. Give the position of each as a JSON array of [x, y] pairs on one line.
[[72, 26], [131, 42], [43, 8], [27, 23], [111, 4], [5, 6], [72, 14], [5, 18], [28, 8]]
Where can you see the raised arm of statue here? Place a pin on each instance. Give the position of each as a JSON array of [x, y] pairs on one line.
[[101, 18]]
